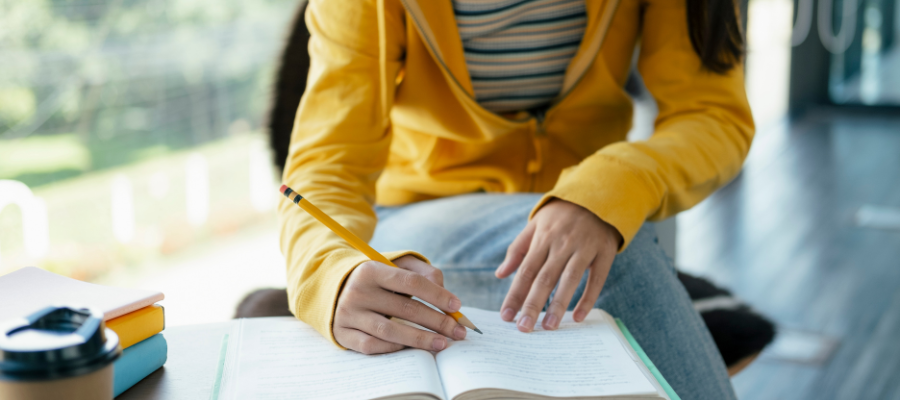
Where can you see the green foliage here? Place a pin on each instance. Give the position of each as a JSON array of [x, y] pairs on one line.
[[123, 80], [43, 155], [16, 104]]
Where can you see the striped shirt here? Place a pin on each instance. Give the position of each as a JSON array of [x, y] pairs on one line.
[[517, 51]]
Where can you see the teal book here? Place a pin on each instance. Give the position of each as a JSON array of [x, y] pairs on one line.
[[138, 361]]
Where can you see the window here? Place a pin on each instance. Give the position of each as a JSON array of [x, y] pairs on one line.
[[130, 130]]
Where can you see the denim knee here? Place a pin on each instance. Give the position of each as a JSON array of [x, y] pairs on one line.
[[645, 253]]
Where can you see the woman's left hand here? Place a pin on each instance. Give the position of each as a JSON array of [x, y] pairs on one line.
[[558, 245]]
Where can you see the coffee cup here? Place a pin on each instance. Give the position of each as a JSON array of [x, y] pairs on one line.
[[57, 353]]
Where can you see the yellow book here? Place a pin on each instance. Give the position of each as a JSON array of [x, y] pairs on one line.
[[138, 325]]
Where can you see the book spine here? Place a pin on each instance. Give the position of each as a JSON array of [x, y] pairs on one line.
[[138, 361], [138, 325]]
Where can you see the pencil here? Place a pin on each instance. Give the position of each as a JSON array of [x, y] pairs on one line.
[[356, 242]]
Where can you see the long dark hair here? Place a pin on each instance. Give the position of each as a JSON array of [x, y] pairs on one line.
[[715, 31]]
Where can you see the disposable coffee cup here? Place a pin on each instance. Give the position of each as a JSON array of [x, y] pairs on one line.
[[57, 353]]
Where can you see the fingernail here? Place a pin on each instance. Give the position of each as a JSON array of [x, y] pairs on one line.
[[578, 316], [454, 305], [439, 343], [459, 332], [551, 322], [499, 268], [508, 314], [525, 324]]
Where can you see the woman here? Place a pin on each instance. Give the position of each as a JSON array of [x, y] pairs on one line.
[[492, 133]]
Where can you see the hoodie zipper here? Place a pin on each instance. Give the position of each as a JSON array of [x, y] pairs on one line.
[[540, 129], [538, 137]]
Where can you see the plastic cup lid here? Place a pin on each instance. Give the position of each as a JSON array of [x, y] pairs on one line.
[[56, 342]]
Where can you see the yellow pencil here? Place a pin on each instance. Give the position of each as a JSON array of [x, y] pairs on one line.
[[355, 241]]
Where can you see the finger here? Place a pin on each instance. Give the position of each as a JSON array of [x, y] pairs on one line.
[[540, 290], [568, 283], [407, 282], [383, 328], [420, 267], [598, 271], [521, 285], [395, 305], [516, 252], [363, 342]]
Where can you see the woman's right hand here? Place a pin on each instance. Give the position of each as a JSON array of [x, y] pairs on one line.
[[372, 294]]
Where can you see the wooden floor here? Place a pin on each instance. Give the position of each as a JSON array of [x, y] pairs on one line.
[[783, 237]]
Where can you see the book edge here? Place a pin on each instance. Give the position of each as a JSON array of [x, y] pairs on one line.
[[220, 369], [229, 360], [143, 297], [153, 346], [128, 308], [646, 360], [138, 325]]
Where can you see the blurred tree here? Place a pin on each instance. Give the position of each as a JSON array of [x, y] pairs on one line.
[[131, 78]]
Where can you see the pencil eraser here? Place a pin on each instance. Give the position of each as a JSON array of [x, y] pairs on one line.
[[283, 189]]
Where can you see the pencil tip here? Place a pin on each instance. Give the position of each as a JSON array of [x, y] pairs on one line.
[[477, 330]]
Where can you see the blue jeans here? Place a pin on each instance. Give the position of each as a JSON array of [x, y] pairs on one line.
[[467, 236]]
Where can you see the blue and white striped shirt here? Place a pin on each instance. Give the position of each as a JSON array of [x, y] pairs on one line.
[[517, 51]]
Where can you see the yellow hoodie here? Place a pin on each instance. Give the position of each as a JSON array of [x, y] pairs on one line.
[[389, 117]]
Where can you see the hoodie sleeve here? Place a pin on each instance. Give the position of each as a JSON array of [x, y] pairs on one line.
[[702, 135], [339, 146]]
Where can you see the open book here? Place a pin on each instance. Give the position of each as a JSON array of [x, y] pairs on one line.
[[281, 358]]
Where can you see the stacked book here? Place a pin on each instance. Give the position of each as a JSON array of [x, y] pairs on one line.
[[132, 314]]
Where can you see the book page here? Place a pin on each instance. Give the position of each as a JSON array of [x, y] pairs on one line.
[[284, 358], [577, 360]]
